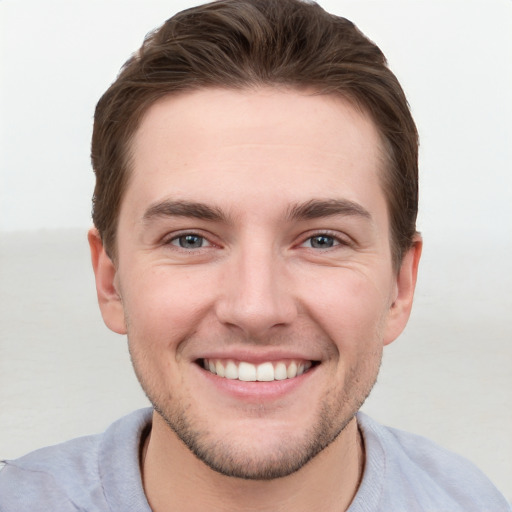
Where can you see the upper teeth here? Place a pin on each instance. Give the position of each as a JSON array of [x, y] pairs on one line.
[[249, 372]]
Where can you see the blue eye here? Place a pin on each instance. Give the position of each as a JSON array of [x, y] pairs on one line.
[[321, 242], [189, 241]]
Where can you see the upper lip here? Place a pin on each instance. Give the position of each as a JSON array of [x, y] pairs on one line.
[[257, 356]]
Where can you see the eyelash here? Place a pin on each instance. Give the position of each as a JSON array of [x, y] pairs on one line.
[[175, 241], [336, 241]]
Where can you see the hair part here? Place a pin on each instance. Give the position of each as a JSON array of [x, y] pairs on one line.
[[241, 44]]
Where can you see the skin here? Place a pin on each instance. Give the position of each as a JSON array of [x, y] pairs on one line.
[[255, 177]]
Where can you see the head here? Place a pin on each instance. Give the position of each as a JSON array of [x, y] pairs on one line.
[[244, 44], [255, 207]]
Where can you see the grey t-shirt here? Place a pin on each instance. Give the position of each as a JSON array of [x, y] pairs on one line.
[[403, 473]]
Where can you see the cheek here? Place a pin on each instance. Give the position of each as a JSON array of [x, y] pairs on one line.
[[350, 306], [163, 306]]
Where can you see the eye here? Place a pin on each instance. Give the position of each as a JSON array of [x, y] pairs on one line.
[[190, 241], [321, 241]]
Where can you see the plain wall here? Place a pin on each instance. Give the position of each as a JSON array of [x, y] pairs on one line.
[[449, 377]]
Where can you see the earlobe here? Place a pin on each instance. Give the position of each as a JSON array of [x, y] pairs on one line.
[[400, 308], [105, 272]]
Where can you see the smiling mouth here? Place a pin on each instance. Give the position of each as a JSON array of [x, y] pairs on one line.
[[263, 372]]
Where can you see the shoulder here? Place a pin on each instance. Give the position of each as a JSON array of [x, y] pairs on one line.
[[50, 477], [410, 472], [75, 475]]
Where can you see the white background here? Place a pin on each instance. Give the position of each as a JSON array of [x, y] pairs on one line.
[[449, 377]]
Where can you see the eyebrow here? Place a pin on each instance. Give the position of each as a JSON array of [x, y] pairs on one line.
[[170, 208], [317, 208], [313, 209]]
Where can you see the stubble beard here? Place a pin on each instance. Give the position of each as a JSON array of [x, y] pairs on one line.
[[288, 455]]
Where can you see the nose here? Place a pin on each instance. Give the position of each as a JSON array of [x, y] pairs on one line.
[[256, 296]]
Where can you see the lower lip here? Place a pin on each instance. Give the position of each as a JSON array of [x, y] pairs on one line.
[[256, 391]]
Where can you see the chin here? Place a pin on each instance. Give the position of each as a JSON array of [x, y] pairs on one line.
[[254, 452]]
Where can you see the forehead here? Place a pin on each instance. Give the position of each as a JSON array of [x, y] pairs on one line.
[[221, 145]]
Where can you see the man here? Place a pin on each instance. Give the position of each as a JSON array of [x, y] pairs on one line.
[[254, 211]]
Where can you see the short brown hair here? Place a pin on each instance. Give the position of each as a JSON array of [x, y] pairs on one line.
[[245, 43]]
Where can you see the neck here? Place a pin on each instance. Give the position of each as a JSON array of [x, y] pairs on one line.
[[175, 480]]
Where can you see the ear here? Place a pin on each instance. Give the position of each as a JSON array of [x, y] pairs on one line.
[[400, 308], [105, 273]]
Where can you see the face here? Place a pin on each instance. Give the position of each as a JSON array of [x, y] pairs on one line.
[[254, 275]]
